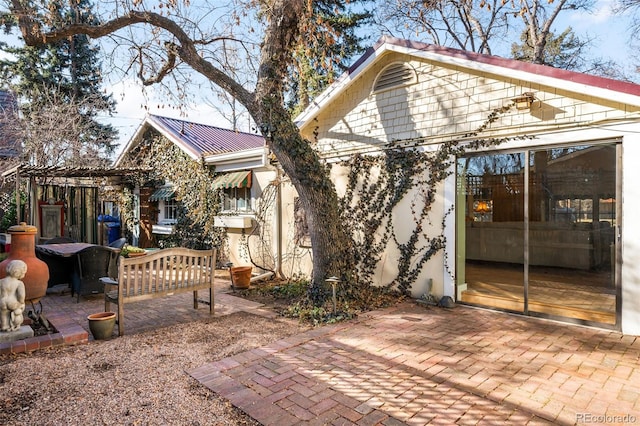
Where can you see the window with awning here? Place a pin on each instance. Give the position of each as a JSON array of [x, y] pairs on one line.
[[163, 194], [236, 191], [233, 180]]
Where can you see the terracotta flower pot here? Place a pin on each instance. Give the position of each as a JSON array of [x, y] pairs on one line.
[[241, 276], [101, 324]]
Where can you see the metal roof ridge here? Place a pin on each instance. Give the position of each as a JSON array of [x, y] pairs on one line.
[[161, 117]]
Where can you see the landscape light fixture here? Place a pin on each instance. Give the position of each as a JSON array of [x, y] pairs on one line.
[[333, 281]]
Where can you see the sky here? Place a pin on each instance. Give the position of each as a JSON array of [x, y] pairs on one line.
[[611, 31]]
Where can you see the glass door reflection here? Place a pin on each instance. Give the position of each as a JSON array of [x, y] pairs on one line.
[[536, 232], [572, 205], [493, 235]]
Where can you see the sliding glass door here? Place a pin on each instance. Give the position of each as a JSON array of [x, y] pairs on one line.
[[493, 231], [538, 232]]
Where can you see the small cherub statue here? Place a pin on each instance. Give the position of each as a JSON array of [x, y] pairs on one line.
[[12, 294], [17, 318]]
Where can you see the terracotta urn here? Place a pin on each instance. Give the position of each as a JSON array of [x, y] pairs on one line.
[[23, 247]]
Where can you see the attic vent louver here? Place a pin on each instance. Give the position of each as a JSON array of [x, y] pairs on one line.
[[394, 75]]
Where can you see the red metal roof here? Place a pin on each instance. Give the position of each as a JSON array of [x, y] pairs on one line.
[[543, 70], [203, 139]]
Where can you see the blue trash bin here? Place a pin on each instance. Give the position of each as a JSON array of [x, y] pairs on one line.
[[107, 218], [113, 231], [112, 227]]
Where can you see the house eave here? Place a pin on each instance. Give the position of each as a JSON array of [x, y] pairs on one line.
[[195, 155], [238, 160], [135, 138], [150, 122], [597, 87], [320, 102]]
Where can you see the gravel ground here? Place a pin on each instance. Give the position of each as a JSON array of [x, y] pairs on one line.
[[136, 379]]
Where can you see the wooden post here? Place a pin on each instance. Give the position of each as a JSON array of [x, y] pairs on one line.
[[18, 195]]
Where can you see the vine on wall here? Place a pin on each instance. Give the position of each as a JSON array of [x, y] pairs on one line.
[[8, 210], [377, 184], [199, 201], [261, 253], [261, 239]]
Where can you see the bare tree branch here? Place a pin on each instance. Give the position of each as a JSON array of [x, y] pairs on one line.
[[168, 66], [53, 132], [34, 34]]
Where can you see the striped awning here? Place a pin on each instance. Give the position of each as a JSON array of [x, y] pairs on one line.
[[163, 194], [233, 180]]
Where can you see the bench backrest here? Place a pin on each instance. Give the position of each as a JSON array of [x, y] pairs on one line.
[[166, 271]]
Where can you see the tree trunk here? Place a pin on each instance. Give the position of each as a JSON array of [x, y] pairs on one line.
[[331, 243], [332, 254]]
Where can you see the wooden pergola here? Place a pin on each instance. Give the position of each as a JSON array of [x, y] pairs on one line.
[[43, 176]]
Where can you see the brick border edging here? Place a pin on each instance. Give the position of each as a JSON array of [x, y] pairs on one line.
[[68, 333]]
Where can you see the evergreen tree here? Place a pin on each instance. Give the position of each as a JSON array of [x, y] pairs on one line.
[[330, 42], [61, 83]]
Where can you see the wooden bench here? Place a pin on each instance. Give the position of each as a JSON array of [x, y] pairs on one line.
[[158, 274]]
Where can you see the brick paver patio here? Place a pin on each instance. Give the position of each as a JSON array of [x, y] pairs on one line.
[[154, 313], [413, 365]]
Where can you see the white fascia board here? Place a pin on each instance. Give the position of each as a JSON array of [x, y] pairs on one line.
[[10, 172], [240, 222], [238, 160], [137, 135], [162, 229], [193, 154]]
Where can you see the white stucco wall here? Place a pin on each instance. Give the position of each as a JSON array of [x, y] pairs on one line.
[[260, 242], [449, 101], [297, 260], [404, 224], [242, 242], [631, 234]]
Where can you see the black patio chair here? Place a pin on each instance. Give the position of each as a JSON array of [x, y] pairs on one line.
[[94, 263], [60, 268]]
